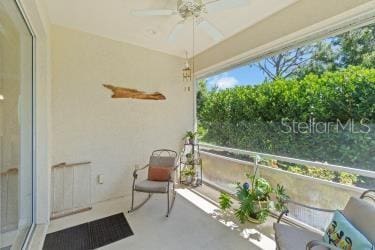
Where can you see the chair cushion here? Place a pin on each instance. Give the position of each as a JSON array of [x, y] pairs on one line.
[[156, 173], [341, 233], [361, 214], [294, 238], [165, 161], [151, 186]]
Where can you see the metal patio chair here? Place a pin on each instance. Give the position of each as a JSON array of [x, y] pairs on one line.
[[359, 212], [164, 158]]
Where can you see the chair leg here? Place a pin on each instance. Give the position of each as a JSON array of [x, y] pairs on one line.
[[172, 203], [167, 204], [132, 199], [132, 209]]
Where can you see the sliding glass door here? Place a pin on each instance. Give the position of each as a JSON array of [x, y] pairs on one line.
[[16, 126]]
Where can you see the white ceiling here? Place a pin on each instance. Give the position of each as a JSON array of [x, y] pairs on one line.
[[112, 19]]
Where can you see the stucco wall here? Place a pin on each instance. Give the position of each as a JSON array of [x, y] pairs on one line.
[[114, 134]]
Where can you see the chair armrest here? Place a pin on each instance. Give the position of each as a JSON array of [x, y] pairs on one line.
[[311, 244], [367, 194], [311, 207], [285, 212], [174, 169], [135, 175]]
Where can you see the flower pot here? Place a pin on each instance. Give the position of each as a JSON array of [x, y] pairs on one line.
[[262, 204], [191, 141], [255, 221], [259, 205], [189, 179]]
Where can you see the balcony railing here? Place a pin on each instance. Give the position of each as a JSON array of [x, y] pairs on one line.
[[322, 165], [223, 172]]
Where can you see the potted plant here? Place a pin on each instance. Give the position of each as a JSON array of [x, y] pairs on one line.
[[225, 202], [190, 137], [189, 174], [189, 159], [255, 199]]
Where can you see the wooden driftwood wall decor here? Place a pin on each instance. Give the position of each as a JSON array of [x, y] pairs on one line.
[[119, 92]]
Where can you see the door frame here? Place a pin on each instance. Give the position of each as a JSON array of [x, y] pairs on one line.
[[31, 230]]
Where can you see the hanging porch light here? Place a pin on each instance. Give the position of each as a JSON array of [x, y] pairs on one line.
[[186, 71]]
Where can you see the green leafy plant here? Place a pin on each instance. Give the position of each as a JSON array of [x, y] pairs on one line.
[[249, 117], [225, 202], [189, 158], [255, 199], [281, 197], [190, 171], [190, 136]]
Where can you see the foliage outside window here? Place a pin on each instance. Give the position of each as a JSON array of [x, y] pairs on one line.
[[315, 102]]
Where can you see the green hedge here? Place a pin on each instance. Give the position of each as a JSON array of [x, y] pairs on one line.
[[249, 117]]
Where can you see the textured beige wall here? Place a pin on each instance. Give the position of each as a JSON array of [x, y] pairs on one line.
[[115, 134], [300, 15]]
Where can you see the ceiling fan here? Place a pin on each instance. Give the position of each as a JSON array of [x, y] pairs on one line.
[[196, 9]]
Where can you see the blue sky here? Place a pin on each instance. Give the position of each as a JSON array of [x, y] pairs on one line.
[[240, 76], [244, 75]]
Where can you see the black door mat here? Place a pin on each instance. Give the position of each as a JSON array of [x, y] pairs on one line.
[[90, 235]]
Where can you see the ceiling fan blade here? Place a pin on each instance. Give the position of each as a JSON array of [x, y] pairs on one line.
[[154, 12], [219, 5], [176, 29], [211, 30]]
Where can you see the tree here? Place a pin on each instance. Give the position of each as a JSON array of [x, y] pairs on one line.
[[357, 47], [323, 58], [285, 64], [202, 94]]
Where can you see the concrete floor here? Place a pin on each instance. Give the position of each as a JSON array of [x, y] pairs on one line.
[[195, 223]]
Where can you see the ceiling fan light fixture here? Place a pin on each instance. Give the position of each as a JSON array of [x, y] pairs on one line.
[[188, 8]]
